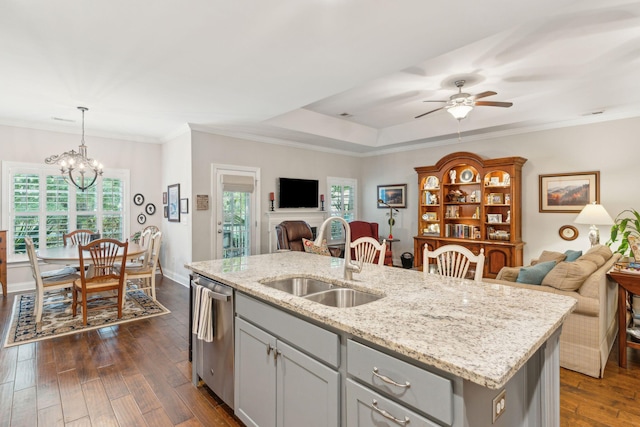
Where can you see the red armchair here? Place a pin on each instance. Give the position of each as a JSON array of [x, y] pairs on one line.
[[368, 229]]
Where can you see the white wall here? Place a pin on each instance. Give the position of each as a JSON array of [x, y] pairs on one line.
[[141, 159], [176, 236], [611, 148], [273, 160]]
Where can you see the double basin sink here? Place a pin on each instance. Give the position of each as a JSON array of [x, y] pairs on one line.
[[322, 292]]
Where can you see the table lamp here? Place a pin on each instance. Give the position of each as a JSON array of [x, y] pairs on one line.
[[594, 214]]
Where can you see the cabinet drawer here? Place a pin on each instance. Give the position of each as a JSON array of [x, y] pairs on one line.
[[320, 343], [367, 408], [426, 392]]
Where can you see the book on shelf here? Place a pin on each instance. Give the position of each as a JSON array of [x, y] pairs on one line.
[[462, 231]]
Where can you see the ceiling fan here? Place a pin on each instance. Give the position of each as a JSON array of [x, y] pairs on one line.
[[460, 104]]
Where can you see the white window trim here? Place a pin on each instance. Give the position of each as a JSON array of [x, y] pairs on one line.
[[7, 205], [353, 182]]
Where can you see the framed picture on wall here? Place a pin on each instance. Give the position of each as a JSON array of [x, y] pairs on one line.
[[184, 206], [173, 192], [394, 196], [569, 192]]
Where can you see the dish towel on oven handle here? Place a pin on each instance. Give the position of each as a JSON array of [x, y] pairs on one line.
[[203, 314]]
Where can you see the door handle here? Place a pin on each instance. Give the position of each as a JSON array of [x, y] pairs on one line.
[[219, 231]]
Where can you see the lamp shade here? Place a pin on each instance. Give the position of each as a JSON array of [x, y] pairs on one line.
[[594, 214]]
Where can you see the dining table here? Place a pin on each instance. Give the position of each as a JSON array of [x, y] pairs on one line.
[[67, 255]]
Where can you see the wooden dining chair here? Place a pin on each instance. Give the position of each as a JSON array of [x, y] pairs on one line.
[[454, 261], [78, 237], [368, 249], [105, 277], [53, 280], [145, 270], [151, 229]]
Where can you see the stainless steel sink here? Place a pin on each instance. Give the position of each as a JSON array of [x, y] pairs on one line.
[[342, 297], [299, 286]]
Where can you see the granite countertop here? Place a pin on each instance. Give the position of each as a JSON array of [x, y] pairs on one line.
[[481, 332]]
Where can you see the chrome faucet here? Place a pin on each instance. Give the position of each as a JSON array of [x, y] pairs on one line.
[[349, 266]]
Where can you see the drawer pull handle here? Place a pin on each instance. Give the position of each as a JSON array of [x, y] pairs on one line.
[[389, 380], [269, 349], [374, 405]]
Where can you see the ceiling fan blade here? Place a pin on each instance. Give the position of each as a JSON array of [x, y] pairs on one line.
[[494, 104], [429, 112], [484, 94], [434, 101]]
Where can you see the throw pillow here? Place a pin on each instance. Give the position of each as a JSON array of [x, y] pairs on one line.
[[311, 247], [534, 274], [572, 255], [549, 256], [569, 276], [510, 274]]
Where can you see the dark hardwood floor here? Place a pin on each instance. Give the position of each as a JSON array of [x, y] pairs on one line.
[[138, 374], [133, 374]]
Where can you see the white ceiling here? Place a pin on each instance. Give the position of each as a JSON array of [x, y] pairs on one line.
[[284, 70]]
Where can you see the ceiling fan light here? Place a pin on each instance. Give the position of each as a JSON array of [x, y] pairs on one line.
[[459, 111]]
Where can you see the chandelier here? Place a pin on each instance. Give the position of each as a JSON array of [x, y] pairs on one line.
[[76, 167]]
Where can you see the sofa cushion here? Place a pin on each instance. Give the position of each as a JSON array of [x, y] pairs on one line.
[[311, 247], [569, 276], [534, 274], [549, 256], [572, 255], [591, 287], [509, 274], [603, 250], [596, 258]]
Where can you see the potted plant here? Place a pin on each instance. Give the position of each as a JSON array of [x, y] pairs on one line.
[[626, 224], [135, 237]]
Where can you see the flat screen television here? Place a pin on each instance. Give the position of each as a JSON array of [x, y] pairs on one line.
[[297, 193]]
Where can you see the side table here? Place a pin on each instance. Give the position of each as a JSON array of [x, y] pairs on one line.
[[628, 283]]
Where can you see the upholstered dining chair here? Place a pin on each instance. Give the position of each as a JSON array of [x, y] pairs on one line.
[[454, 261], [145, 270], [368, 249], [150, 230], [78, 237], [368, 229], [53, 280], [105, 278]]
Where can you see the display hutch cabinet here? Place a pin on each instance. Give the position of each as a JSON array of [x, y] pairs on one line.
[[474, 202]]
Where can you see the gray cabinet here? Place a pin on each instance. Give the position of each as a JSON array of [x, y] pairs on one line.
[[425, 391], [277, 384], [366, 408], [308, 393], [255, 376]]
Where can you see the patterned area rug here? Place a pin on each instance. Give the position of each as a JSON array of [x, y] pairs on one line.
[[57, 319]]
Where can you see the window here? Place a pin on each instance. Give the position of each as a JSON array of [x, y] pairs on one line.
[[342, 202], [39, 203]]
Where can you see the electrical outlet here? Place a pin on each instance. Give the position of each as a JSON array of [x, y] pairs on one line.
[[499, 405]]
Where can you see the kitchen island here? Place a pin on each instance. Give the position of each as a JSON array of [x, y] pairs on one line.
[[484, 339]]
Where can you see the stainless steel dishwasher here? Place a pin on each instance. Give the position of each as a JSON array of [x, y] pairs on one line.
[[212, 362]]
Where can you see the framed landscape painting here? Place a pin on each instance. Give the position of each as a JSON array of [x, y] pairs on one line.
[[569, 192], [394, 196]]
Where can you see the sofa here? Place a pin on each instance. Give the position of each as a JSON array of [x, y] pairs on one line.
[[590, 330]]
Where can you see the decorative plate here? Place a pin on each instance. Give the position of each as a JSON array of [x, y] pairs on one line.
[[432, 182], [425, 217], [466, 175], [142, 219], [150, 208], [568, 232], [138, 199]]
